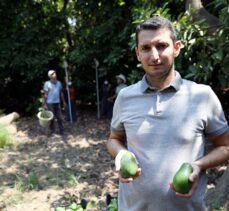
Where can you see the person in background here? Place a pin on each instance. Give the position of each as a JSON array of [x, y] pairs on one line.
[[72, 96], [53, 94], [106, 105], [165, 121], [121, 83]]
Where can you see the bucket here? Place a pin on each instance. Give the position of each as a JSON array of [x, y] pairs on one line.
[[45, 117]]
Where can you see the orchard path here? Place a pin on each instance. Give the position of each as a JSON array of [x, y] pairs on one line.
[[72, 167], [69, 168]]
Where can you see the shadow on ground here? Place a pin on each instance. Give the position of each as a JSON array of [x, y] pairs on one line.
[[77, 159]]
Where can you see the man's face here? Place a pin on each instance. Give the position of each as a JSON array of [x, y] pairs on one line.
[[119, 81], [156, 52], [53, 76]]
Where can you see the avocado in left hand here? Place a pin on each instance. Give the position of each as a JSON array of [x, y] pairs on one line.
[[181, 182]]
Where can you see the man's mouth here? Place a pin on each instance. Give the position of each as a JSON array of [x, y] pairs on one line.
[[155, 65]]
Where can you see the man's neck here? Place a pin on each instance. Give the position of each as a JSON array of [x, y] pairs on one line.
[[53, 81], [161, 83]]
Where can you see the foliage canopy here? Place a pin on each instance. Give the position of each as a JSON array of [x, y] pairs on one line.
[[39, 34]]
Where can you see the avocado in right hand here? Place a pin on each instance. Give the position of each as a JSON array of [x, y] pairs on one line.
[[181, 182], [129, 165]]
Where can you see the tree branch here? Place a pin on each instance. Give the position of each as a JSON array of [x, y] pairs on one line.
[[197, 11]]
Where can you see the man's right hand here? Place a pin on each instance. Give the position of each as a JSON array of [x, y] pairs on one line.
[[118, 165], [45, 107]]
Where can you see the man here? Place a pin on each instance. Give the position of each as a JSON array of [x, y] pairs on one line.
[[121, 83], [106, 105], [164, 121], [53, 95]]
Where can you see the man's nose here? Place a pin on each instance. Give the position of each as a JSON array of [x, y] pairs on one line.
[[154, 54]]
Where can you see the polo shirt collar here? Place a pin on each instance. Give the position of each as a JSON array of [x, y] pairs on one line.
[[53, 81], [175, 84]]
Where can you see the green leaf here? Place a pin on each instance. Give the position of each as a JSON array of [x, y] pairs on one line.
[[218, 55], [192, 41]]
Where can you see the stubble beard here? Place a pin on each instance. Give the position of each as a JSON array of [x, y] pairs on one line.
[[155, 78], [161, 75]]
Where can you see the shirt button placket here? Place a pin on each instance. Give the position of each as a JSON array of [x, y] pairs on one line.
[[158, 102]]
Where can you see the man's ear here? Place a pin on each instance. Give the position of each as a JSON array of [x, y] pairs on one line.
[[137, 54], [177, 48]]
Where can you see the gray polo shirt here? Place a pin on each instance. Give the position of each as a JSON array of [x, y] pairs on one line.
[[164, 129], [54, 90]]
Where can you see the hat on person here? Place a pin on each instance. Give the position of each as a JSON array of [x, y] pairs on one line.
[[50, 72], [121, 76]]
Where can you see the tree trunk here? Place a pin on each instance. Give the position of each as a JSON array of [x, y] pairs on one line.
[[9, 118], [197, 11]]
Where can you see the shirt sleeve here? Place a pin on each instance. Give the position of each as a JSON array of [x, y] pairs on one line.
[[46, 86], [216, 122], [116, 122]]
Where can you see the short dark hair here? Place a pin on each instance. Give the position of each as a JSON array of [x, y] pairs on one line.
[[154, 23]]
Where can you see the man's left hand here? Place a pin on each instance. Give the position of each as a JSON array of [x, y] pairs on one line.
[[194, 178]]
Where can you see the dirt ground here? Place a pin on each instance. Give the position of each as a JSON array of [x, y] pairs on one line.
[[72, 167]]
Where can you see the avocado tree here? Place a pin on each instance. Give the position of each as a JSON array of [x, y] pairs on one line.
[[208, 36], [38, 35], [31, 41]]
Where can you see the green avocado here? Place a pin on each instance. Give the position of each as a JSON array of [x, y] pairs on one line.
[[181, 182], [129, 165]]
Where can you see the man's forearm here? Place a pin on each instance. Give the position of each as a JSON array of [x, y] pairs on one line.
[[62, 98], [215, 158], [114, 146], [45, 100]]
